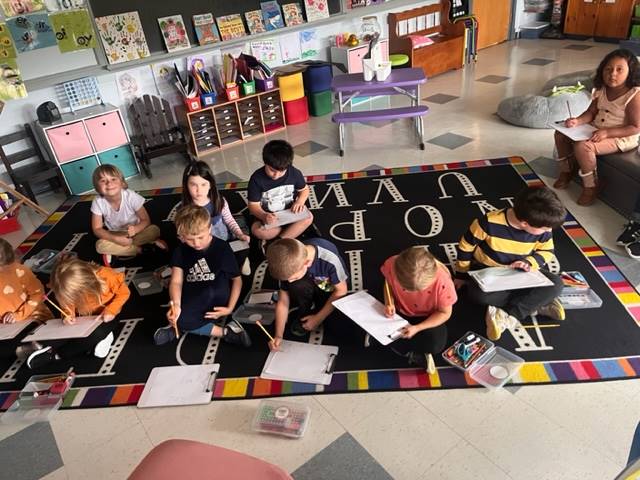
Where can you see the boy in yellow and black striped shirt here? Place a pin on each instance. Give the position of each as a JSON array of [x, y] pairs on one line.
[[519, 237]]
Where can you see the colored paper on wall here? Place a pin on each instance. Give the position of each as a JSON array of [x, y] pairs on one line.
[[174, 33], [255, 21], [122, 37], [206, 30], [231, 26], [292, 14], [73, 30], [316, 9], [61, 5], [12, 8], [265, 51], [309, 45], [7, 47], [164, 78], [31, 32], [11, 84], [290, 47], [271, 15]]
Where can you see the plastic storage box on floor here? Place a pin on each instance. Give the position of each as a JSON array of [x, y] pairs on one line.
[[320, 103], [296, 111]]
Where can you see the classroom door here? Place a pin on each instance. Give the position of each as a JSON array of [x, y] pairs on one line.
[[581, 17], [614, 17], [493, 21]]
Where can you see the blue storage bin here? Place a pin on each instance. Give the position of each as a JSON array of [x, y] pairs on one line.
[[121, 157], [317, 77], [78, 174]]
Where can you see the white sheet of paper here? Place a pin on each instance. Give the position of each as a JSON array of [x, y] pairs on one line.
[[496, 279], [300, 362], [368, 312], [179, 385], [261, 297], [285, 217], [581, 132], [11, 330], [56, 330], [239, 245]]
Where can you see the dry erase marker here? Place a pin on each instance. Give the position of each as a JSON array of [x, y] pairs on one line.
[[569, 108]]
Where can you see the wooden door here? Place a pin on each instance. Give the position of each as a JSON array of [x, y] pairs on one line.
[[614, 17], [581, 17], [493, 21]]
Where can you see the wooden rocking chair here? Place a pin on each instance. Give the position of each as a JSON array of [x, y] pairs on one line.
[[156, 132]]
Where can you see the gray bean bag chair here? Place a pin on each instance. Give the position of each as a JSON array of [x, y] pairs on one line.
[[537, 111]]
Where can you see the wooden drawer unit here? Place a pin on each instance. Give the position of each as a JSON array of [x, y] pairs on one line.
[[250, 117], [106, 131], [69, 142]]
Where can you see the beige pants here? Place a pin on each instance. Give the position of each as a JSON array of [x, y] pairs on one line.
[[148, 235], [584, 152]]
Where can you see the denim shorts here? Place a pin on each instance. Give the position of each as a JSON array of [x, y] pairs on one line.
[[204, 330]]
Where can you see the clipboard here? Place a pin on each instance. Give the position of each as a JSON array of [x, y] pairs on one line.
[[56, 330], [578, 133], [9, 331], [301, 362], [285, 217], [179, 385], [368, 313], [497, 279]]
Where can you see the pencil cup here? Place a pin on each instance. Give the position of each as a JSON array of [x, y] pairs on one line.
[[248, 88], [208, 99], [233, 93], [262, 85], [193, 104]]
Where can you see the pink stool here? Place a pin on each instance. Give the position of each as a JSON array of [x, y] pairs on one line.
[[186, 460]]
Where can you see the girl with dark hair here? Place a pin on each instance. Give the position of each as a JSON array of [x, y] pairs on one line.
[[614, 112]]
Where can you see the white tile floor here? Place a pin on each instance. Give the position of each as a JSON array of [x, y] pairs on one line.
[[542, 432]]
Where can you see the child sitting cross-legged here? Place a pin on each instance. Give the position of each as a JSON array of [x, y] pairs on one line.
[[312, 275], [118, 217], [424, 293], [520, 237], [87, 289], [205, 282]]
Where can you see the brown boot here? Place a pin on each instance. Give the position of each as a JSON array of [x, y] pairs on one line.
[[588, 196], [563, 181]]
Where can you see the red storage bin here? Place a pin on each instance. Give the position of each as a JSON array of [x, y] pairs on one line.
[[9, 224], [296, 111]]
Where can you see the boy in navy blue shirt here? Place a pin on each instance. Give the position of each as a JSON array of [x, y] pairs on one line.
[[277, 186], [205, 282], [312, 275]]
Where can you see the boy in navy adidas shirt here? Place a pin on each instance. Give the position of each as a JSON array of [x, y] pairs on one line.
[[312, 275], [205, 282]]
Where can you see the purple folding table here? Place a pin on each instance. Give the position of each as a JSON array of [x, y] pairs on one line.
[[403, 81]]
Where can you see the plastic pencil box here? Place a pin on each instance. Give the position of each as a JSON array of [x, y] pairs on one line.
[[487, 364], [278, 417]]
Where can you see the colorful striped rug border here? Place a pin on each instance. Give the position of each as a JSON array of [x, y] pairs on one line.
[[386, 380]]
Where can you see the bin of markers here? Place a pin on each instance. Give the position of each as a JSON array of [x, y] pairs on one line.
[[278, 417], [487, 364], [208, 99], [248, 88], [264, 84]]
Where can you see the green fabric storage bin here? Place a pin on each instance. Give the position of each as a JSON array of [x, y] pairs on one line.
[[320, 103], [121, 157], [78, 174]]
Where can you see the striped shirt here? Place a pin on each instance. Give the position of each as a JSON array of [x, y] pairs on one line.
[[492, 242]]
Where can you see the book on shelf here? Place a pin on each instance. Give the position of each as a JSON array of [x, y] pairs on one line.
[[255, 21], [271, 15], [292, 14], [231, 26], [206, 30]]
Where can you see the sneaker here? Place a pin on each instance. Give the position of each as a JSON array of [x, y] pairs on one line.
[[630, 234], [246, 267], [23, 351], [417, 360], [498, 321], [633, 249], [296, 328], [106, 259], [101, 350], [431, 364], [553, 310], [40, 358], [164, 335], [236, 334]]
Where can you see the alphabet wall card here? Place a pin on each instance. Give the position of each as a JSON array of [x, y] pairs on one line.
[[122, 37], [271, 15], [316, 9], [7, 47], [206, 30], [309, 45], [11, 84], [31, 31], [231, 27], [173, 32], [255, 21], [20, 7], [73, 29], [59, 5], [292, 14]]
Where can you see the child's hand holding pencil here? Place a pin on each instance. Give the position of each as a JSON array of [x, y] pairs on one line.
[[172, 316], [389, 306]]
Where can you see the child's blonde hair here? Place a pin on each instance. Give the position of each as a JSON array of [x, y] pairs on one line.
[[74, 280], [415, 268], [7, 254], [286, 257], [110, 170], [192, 219]]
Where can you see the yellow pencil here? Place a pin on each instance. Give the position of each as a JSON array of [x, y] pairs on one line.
[[389, 297], [175, 325], [64, 314], [548, 325], [265, 331]]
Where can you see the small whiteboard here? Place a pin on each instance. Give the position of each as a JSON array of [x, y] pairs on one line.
[[179, 385], [11, 330], [301, 362], [286, 217], [56, 330]]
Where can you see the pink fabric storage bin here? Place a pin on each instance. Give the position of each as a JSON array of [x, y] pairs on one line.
[[69, 142], [106, 131]]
